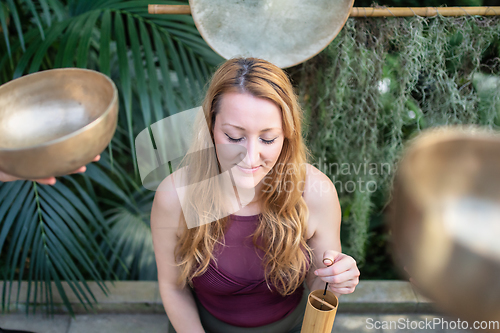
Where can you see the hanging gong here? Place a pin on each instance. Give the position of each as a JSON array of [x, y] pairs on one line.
[[283, 32]]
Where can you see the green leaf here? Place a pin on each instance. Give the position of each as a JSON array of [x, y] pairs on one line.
[[57, 237], [54, 32], [102, 179], [52, 273], [103, 225], [12, 205], [30, 224], [126, 88], [62, 212], [74, 36], [179, 71], [58, 8], [58, 62], [23, 62], [165, 72], [188, 69], [139, 71], [3, 22], [152, 75], [17, 22], [18, 237], [37, 251], [104, 53], [5, 191], [31, 6], [46, 12], [83, 48], [199, 76]]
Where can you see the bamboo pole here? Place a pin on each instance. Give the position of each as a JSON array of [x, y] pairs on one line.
[[422, 11], [368, 11], [169, 9]]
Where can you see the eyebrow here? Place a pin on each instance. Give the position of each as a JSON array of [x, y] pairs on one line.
[[241, 128]]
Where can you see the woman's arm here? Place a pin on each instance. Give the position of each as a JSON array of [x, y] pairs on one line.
[[178, 302], [325, 214]]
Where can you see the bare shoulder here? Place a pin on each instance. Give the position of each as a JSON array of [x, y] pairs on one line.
[[166, 210], [321, 198]]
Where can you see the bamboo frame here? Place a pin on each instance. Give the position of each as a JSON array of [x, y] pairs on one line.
[[368, 11]]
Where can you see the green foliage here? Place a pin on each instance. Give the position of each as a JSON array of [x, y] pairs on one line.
[[379, 83]]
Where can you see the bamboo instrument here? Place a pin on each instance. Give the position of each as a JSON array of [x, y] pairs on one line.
[[368, 11], [320, 312]]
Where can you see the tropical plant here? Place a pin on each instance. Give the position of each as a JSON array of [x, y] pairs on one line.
[[94, 226]]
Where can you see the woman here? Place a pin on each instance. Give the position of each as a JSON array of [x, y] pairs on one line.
[[228, 270]]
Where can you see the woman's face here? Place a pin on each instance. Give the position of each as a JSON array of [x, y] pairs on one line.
[[248, 135]]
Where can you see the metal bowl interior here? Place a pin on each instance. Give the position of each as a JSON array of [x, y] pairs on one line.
[[46, 106], [46, 109]]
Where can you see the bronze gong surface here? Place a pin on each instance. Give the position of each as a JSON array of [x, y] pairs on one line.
[[284, 32]]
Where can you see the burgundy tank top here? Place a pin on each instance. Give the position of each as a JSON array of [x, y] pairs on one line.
[[234, 290]]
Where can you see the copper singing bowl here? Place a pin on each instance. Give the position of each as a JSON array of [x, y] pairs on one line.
[[55, 121], [445, 220]]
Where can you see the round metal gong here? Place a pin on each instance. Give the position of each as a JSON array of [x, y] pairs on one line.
[[445, 220], [283, 32]]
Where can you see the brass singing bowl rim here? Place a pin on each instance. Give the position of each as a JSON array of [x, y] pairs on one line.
[[113, 101], [435, 137], [438, 135]]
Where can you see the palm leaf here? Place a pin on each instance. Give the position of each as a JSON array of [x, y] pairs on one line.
[[130, 234], [33, 11], [17, 22], [3, 23], [46, 220]]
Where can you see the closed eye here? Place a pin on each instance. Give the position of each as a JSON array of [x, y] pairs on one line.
[[267, 142]]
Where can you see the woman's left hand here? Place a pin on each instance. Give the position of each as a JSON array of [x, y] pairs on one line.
[[342, 276]]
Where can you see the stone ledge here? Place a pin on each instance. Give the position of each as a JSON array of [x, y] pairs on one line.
[[385, 296], [370, 296]]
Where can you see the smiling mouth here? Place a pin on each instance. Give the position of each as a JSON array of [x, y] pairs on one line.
[[245, 170]]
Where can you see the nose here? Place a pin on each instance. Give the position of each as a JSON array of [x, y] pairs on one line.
[[252, 157]]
